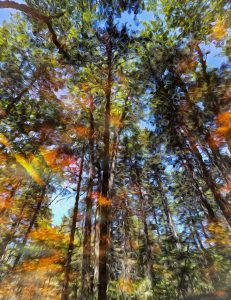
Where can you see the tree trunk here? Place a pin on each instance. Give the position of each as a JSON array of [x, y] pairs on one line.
[[105, 204], [205, 204], [32, 222], [86, 286], [145, 227], [172, 233], [65, 294]]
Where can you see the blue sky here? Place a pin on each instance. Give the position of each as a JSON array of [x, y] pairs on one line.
[[5, 12]]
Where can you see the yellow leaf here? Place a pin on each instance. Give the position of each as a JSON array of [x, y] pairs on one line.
[[4, 140], [219, 31], [22, 161]]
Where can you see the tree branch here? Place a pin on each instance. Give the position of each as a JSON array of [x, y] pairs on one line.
[[32, 12]]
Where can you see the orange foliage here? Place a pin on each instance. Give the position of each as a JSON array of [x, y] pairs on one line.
[[5, 199], [82, 131], [224, 129], [219, 293], [49, 235], [215, 140], [49, 156], [3, 159], [226, 188], [224, 119], [5, 204], [50, 262], [104, 238], [101, 200], [59, 161], [35, 279], [3, 220]]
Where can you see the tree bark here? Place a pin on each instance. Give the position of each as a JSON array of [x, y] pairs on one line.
[[145, 227], [105, 205], [65, 294], [204, 202], [172, 233], [86, 285]]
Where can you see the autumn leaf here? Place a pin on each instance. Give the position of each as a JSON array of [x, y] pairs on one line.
[[33, 173], [219, 30], [49, 156]]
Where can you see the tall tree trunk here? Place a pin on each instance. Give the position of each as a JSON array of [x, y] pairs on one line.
[[86, 285], [96, 247], [105, 204], [145, 227], [195, 230], [97, 232], [170, 223], [218, 162], [156, 224], [204, 202], [115, 146], [65, 294]]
